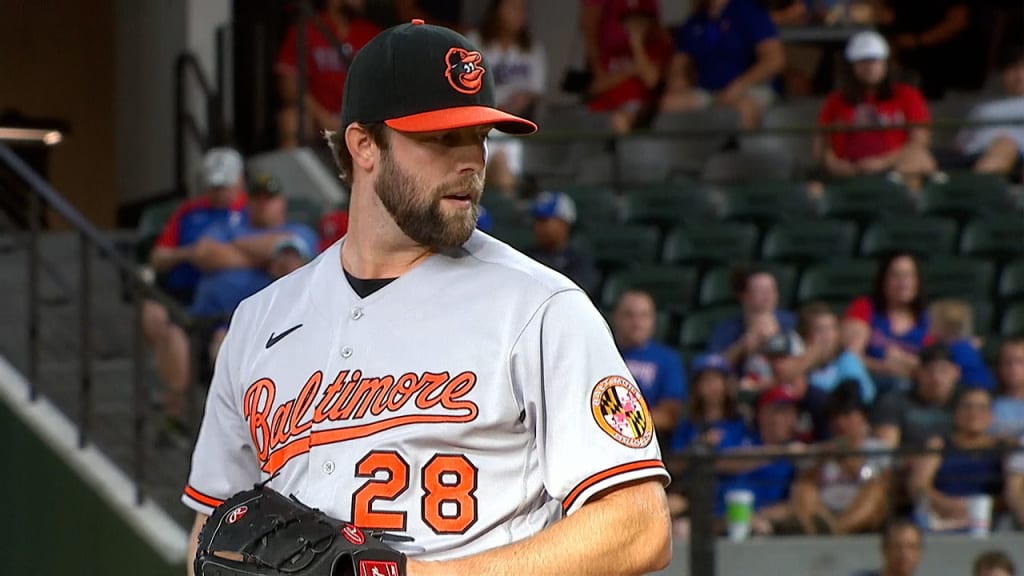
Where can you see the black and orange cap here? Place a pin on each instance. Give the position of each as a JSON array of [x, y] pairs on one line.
[[417, 77]]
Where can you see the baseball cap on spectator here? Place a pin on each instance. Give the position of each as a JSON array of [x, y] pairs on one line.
[[936, 353], [713, 362], [265, 184], [222, 167], [783, 344], [867, 45], [554, 205], [296, 244], [776, 395]]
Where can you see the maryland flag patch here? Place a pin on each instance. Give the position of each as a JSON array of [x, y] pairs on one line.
[[619, 409]]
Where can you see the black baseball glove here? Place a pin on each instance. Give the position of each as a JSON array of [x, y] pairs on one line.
[[261, 532]]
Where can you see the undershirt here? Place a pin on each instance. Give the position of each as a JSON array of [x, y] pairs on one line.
[[366, 287]]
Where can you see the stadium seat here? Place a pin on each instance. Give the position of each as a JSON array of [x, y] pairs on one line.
[[1000, 237], [983, 316], [667, 204], [152, 221], [696, 327], [741, 166], [620, 245], [594, 204], [504, 211], [809, 240], [711, 243], [518, 237], [716, 285], [964, 278], [1012, 324], [558, 157], [837, 281], [922, 235], [765, 203], [787, 127], [865, 198], [1011, 281], [672, 287], [967, 195], [643, 160]]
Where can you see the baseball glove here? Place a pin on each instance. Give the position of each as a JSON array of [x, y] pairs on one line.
[[260, 532]]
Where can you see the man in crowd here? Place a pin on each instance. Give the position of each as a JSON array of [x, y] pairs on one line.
[[902, 542], [910, 418], [554, 214]]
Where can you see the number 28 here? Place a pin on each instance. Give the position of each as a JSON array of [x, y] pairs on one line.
[[445, 479]]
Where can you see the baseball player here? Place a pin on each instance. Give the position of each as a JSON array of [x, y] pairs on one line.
[[422, 378]]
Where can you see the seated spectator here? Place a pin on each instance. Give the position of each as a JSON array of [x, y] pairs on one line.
[[827, 363], [657, 369], [952, 324], [993, 563], [714, 417], [1008, 409], [627, 51], [802, 59], [844, 495], [173, 260], [785, 352], [727, 53], [873, 101], [326, 66], [740, 339], [993, 148], [554, 214], [911, 418], [518, 65], [1015, 485], [888, 328], [947, 480], [902, 542]]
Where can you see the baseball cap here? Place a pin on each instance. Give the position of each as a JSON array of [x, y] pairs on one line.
[[936, 353], [867, 45], [222, 167], [417, 77], [554, 205], [300, 246], [783, 344], [715, 362], [265, 184], [776, 395]]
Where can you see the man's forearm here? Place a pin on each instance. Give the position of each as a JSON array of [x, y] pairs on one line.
[[627, 532], [211, 255], [260, 247], [163, 259]]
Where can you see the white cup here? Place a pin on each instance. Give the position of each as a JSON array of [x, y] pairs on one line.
[[739, 510], [979, 515]]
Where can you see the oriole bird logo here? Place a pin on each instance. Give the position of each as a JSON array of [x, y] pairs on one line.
[[464, 71]]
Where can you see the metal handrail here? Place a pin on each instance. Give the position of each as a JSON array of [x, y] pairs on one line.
[[187, 65]]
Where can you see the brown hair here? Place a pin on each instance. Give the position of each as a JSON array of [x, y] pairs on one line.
[[993, 560], [490, 26], [342, 156], [808, 313], [730, 407]]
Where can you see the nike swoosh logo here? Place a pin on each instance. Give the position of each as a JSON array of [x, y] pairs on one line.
[[274, 339]]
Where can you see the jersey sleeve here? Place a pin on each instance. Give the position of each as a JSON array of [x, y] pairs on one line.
[[222, 461], [593, 429]]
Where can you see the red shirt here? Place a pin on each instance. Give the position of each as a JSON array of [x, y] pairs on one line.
[[326, 68], [906, 105]]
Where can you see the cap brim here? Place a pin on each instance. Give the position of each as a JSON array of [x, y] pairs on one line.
[[462, 117]]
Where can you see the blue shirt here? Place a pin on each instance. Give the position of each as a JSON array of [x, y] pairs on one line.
[[1008, 417], [658, 371], [770, 483], [846, 366], [729, 331], [973, 371], [733, 433], [723, 49], [963, 474], [191, 221]]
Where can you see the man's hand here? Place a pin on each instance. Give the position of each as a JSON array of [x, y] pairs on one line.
[[874, 164], [732, 94]]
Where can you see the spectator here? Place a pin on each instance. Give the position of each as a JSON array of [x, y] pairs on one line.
[[845, 495], [993, 563], [1015, 485], [902, 542], [714, 417], [947, 480], [785, 354], [993, 148], [888, 328], [326, 66], [727, 53], [657, 369], [173, 260], [911, 418], [627, 51], [740, 339], [447, 13], [952, 324], [518, 66], [802, 59], [1008, 410], [826, 361], [872, 100], [554, 214]]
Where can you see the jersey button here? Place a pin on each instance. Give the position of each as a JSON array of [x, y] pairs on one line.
[[328, 467], [346, 352], [357, 313]]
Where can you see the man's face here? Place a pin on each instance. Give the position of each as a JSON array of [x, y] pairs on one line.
[[431, 184], [870, 72], [223, 196], [761, 295], [903, 552], [267, 210], [777, 422], [936, 381], [551, 233], [785, 369], [849, 425], [973, 413], [1013, 79], [634, 320], [824, 332], [1011, 367]]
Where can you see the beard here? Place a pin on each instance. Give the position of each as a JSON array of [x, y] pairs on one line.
[[419, 215]]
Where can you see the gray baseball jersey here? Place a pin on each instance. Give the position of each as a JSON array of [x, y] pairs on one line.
[[470, 403]]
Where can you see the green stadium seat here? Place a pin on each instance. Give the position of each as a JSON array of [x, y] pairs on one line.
[[1011, 281], [696, 327], [983, 316], [967, 195], [718, 242], [965, 278], [667, 204], [922, 235], [716, 285], [671, 287], [518, 237], [1012, 325], [624, 244], [765, 203], [865, 198], [836, 281], [504, 211], [1000, 237], [809, 240], [151, 224], [665, 325], [594, 204], [304, 211], [990, 348]]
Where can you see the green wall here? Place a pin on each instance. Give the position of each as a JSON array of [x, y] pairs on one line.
[[54, 523]]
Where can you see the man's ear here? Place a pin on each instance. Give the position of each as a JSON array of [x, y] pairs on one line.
[[361, 146]]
